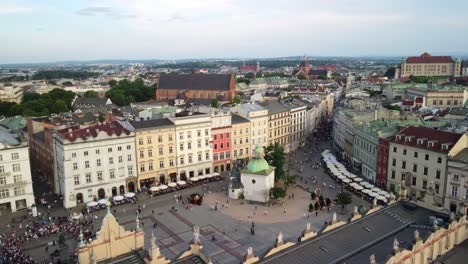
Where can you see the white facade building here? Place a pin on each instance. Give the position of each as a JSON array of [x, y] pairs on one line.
[[258, 178], [16, 190], [94, 163], [193, 144], [258, 117], [10, 93], [298, 125]]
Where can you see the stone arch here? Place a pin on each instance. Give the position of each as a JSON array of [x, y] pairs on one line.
[[122, 189], [79, 198], [101, 193]]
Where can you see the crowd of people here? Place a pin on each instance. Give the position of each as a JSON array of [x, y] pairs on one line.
[[17, 237]]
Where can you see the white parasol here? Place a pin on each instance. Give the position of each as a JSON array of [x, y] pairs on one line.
[[358, 179], [181, 182], [102, 201], [172, 184], [91, 204], [194, 179], [130, 194], [163, 187], [118, 198], [154, 189]]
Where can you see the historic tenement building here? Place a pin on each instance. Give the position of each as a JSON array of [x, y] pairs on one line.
[[221, 87]]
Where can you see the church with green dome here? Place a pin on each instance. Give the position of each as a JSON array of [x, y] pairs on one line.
[[257, 178]]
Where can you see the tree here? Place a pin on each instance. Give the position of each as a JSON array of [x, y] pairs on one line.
[[316, 206], [59, 107], [390, 72], [277, 192], [313, 195], [236, 99], [68, 83], [344, 199], [126, 92], [214, 103], [90, 94], [274, 155], [311, 207], [101, 118], [112, 83], [249, 75]]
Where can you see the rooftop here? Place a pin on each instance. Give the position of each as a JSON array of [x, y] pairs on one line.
[[356, 241], [8, 138], [426, 135], [427, 58], [461, 156], [111, 128], [236, 119], [151, 123], [274, 107], [195, 82]]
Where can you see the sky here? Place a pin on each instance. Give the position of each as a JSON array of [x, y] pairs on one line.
[[49, 30]]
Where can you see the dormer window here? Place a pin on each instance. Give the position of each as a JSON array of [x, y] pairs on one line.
[[445, 146], [398, 137], [408, 138], [430, 144]]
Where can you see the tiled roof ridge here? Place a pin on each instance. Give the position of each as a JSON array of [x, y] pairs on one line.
[[111, 128]]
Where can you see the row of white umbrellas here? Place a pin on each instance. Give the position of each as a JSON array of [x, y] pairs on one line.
[[115, 198], [340, 171]]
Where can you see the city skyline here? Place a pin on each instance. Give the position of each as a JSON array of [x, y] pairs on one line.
[[113, 29]]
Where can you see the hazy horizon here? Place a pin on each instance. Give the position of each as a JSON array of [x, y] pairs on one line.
[[84, 30]]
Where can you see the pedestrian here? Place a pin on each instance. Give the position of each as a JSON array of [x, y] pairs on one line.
[[152, 212], [284, 210], [266, 212]]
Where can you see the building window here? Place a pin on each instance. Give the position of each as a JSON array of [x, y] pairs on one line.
[[235, 153], [140, 141], [403, 164], [222, 145], [394, 149], [207, 156], [207, 143], [393, 162], [16, 167], [4, 193], [160, 139], [415, 154], [215, 146], [215, 137], [215, 156], [221, 136], [76, 179], [150, 166], [86, 164], [228, 155], [190, 159], [189, 134], [112, 174], [86, 153], [73, 155], [415, 168], [227, 135], [189, 146], [426, 157], [14, 156], [425, 171], [436, 188], [129, 157], [111, 160], [413, 181], [404, 152], [161, 164], [170, 137], [171, 163], [199, 143], [142, 167], [120, 159], [181, 147], [439, 160], [17, 178], [2, 180], [171, 150], [424, 185], [161, 151], [456, 177], [99, 175], [181, 135], [142, 154], [130, 171], [109, 150], [98, 162], [199, 157], [253, 181], [150, 152], [129, 147], [181, 160], [207, 132], [148, 140], [221, 155], [455, 191], [119, 148], [19, 190], [437, 174], [75, 166], [198, 133], [88, 177]]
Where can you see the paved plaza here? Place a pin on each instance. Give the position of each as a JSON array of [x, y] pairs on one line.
[[226, 232]]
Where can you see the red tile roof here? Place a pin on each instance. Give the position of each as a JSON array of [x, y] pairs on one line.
[[111, 128], [428, 134], [419, 100], [427, 58], [408, 102]]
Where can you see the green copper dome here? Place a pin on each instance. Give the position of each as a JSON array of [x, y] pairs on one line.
[[258, 163]]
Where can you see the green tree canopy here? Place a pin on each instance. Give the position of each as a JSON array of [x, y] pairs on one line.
[[112, 83], [236, 100], [59, 107], [126, 92], [344, 199], [214, 103], [90, 94], [390, 72], [59, 74], [274, 155]]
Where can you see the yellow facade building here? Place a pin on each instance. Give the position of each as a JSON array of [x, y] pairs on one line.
[[279, 124], [240, 138], [155, 142]]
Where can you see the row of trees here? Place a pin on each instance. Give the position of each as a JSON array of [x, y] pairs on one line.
[[59, 74], [125, 92], [33, 104]]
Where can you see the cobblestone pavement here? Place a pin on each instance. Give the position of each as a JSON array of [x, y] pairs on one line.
[[230, 227]]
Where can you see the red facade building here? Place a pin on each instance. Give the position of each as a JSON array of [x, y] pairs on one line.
[[222, 147], [382, 160]]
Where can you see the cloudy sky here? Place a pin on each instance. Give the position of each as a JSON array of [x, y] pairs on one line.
[[49, 30]]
